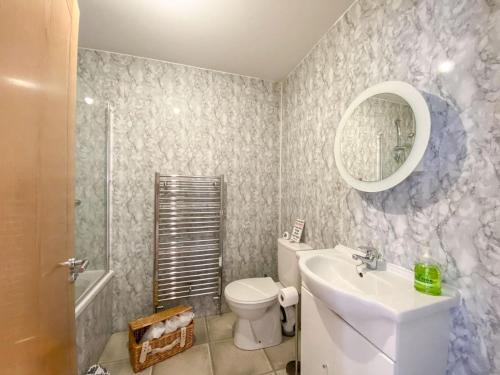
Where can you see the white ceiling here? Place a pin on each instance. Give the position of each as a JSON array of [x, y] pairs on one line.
[[258, 38]]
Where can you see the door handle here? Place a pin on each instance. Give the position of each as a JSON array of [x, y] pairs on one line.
[[75, 266], [82, 266]]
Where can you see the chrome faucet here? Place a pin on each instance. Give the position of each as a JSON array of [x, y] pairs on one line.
[[370, 258]]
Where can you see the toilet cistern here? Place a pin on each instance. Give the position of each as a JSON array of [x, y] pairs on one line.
[[370, 258]]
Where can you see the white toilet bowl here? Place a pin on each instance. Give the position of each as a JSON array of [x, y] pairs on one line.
[[255, 302]]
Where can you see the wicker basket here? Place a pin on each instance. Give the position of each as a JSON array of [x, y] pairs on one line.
[[159, 349]]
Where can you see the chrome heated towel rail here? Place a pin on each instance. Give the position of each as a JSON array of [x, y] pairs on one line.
[[188, 238]]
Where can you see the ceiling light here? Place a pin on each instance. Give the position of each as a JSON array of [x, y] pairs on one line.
[[177, 110], [446, 66], [89, 100]]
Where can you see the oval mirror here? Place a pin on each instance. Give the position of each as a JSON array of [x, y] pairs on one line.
[[382, 136]]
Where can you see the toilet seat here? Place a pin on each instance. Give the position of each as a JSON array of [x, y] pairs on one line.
[[252, 291]]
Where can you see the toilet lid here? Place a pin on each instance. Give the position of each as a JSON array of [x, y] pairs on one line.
[[254, 290]]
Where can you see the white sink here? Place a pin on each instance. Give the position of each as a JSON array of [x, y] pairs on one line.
[[385, 293]]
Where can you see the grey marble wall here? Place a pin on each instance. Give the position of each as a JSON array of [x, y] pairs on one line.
[[94, 326], [454, 204], [182, 120]]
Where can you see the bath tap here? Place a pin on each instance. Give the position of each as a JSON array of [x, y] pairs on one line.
[[370, 258]]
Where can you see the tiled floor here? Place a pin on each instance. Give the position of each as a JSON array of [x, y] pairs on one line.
[[213, 353]]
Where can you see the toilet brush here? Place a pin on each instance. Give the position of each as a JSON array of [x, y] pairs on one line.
[[293, 367], [289, 297]]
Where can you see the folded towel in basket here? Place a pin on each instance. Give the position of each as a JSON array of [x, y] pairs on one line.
[[170, 325], [155, 331]]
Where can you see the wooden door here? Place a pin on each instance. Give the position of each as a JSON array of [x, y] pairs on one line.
[[38, 46]]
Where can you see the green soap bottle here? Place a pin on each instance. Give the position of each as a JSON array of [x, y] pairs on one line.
[[427, 275]]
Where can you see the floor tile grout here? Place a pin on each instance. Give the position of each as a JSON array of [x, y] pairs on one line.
[[116, 360], [112, 362], [212, 364], [210, 353], [212, 358], [269, 361]]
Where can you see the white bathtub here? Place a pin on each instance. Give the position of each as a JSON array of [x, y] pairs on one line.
[[88, 285]]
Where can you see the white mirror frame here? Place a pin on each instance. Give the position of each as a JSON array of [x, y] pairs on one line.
[[422, 134]]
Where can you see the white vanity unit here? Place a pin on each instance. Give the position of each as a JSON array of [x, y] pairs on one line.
[[376, 324]]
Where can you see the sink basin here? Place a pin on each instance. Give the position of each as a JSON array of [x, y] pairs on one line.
[[331, 275]]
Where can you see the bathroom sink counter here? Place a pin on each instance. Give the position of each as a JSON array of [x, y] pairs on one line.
[[387, 292], [373, 323]]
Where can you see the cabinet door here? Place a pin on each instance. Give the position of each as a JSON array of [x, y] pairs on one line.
[[330, 346]]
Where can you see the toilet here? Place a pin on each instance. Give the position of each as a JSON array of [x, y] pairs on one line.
[[255, 300]]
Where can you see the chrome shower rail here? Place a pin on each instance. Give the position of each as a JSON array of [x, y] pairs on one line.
[[188, 238]]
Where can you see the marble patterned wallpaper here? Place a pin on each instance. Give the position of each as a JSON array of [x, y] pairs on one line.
[[372, 118], [454, 205], [182, 120]]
